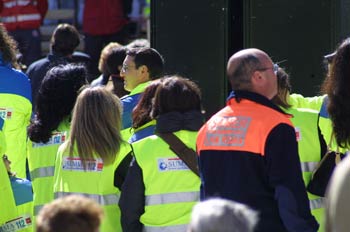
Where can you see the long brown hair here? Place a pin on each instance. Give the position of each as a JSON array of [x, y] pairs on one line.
[[336, 86], [96, 124]]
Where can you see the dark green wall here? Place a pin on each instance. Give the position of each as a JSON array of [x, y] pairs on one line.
[[197, 37]]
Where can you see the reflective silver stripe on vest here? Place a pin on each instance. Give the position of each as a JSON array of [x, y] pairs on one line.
[[169, 198], [21, 18], [175, 228], [308, 166], [37, 209], [316, 203], [42, 172], [110, 199]]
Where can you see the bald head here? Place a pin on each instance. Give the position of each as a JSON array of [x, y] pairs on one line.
[[243, 64], [246, 56]]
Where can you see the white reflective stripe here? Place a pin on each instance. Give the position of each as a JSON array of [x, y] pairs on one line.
[[28, 17], [109, 199], [308, 166], [20, 18], [19, 3], [26, 2], [169, 198], [316, 203], [42, 172], [8, 19], [174, 228], [37, 209], [10, 4]]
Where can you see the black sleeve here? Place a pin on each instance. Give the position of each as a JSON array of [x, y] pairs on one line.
[[122, 170], [284, 174], [132, 199]]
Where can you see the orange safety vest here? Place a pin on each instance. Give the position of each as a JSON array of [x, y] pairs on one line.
[[236, 128]]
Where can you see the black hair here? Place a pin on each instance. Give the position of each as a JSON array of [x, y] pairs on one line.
[[150, 58], [65, 39], [55, 100]]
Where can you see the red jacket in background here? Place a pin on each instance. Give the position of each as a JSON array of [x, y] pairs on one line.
[[22, 14], [103, 17]]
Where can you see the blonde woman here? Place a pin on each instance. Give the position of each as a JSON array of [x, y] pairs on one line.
[[86, 162]]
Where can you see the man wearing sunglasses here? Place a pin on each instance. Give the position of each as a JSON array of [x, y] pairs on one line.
[[248, 151]]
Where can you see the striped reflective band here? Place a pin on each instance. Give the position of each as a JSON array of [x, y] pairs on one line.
[[37, 209], [19, 3], [308, 166], [169, 198], [109, 199], [174, 228], [21, 18], [316, 203], [42, 172]]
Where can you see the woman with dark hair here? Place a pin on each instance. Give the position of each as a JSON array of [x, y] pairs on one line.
[[337, 86], [142, 123], [86, 162], [50, 126], [160, 189]]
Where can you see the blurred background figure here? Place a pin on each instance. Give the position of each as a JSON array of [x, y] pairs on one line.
[[110, 65], [222, 215], [104, 21], [73, 213], [93, 152], [138, 43], [22, 19], [50, 126], [64, 41], [15, 103], [337, 200]]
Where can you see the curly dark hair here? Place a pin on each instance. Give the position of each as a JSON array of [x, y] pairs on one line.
[[336, 86], [8, 48], [55, 100]]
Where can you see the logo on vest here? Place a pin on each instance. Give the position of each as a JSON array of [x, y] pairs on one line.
[[6, 113], [227, 131], [17, 224], [171, 164], [298, 133], [76, 164], [57, 138]]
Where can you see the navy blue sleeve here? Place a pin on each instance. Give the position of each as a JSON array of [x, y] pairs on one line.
[[284, 174], [132, 199]]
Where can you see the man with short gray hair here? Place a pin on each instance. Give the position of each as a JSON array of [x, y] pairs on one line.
[[222, 215]]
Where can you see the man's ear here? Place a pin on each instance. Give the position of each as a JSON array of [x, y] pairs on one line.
[[257, 78], [143, 69]]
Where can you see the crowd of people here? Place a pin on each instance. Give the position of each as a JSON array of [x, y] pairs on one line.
[[132, 151]]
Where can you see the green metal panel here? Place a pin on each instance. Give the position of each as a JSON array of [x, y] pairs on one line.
[[193, 38], [297, 31]]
